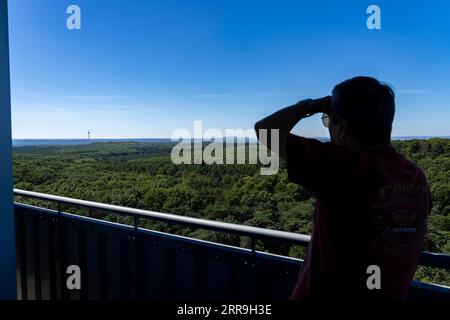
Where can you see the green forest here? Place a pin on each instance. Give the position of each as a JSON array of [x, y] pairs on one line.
[[141, 175]]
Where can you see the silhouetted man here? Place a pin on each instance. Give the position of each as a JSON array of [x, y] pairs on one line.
[[372, 203]]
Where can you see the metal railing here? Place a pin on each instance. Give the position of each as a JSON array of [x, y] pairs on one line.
[[434, 260], [254, 233]]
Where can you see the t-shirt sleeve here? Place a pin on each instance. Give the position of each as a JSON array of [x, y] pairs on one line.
[[315, 165]]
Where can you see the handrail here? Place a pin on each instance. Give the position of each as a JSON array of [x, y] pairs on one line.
[[434, 260], [252, 232]]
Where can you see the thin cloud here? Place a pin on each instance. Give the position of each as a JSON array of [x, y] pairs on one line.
[[238, 108], [109, 111], [70, 114], [78, 97], [98, 97], [46, 106], [253, 95], [127, 106]]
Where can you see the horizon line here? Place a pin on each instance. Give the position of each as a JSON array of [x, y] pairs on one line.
[[168, 138]]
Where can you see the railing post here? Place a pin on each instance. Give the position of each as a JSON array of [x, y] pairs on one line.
[[7, 229], [253, 246], [136, 223]]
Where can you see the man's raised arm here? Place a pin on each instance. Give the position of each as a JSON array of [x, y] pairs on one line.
[[286, 119]]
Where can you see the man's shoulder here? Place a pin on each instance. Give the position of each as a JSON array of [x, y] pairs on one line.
[[402, 168], [408, 163]]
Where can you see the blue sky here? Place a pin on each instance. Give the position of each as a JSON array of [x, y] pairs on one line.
[[142, 68]]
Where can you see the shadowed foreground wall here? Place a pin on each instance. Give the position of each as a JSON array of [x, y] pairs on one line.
[[7, 250]]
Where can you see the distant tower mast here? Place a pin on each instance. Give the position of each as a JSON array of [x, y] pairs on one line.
[[89, 136]]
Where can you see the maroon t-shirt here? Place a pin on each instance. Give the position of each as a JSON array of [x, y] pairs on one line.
[[371, 209]]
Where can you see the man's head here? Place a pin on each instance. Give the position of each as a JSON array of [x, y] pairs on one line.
[[362, 112]]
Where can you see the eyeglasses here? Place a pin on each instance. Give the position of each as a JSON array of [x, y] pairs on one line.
[[326, 120]]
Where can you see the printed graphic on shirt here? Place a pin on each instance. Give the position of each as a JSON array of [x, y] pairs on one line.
[[398, 218]]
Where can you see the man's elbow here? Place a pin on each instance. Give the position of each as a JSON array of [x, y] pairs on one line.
[[264, 126]]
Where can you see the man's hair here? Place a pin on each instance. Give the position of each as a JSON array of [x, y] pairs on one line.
[[368, 107]]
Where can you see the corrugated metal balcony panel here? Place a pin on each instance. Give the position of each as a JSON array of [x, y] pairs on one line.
[[119, 262]]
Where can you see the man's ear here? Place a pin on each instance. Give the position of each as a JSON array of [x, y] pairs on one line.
[[343, 129]]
